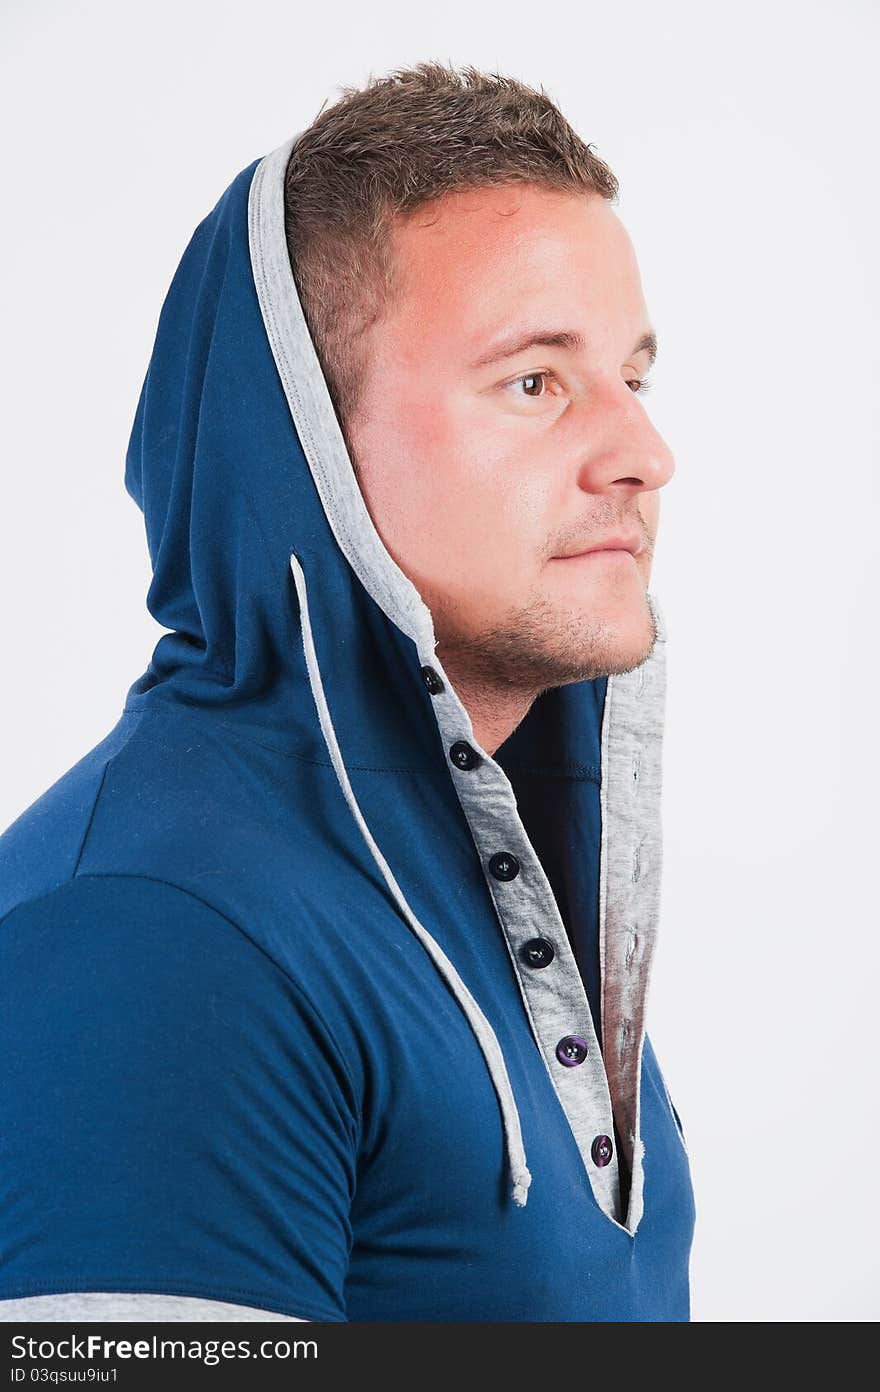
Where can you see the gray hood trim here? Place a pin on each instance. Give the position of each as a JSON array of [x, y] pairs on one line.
[[312, 408]]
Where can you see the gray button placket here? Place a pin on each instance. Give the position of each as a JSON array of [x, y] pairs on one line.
[[554, 998], [629, 890], [597, 1089]]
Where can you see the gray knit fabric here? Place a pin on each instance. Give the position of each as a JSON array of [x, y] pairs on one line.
[[108, 1306]]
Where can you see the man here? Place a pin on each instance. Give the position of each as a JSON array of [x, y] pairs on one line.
[[324, 973]]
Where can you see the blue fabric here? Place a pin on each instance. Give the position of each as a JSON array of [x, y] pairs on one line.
[[230, 1068]]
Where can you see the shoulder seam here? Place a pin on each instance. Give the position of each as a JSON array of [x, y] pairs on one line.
[[85, 836]]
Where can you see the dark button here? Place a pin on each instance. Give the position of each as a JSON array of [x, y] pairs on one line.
[[537, 952], [602, 1150], [432, 681], [463, 756], [504, 865], [572, 1050]]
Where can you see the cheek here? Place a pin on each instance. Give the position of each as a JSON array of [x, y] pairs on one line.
[[434, 509], [456, 505], [472, 537]]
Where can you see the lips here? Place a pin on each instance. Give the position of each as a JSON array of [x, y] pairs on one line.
[[631, 544], [599, 553]]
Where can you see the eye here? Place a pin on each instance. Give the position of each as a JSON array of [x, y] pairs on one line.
[[534, 384], [640, 384], [531, 379]]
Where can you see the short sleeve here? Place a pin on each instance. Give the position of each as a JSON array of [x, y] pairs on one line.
[[175, 1116]]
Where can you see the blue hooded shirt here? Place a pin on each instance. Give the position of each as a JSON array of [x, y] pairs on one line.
[[309, 1004]]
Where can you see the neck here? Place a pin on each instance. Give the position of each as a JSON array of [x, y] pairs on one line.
[[494, 710]]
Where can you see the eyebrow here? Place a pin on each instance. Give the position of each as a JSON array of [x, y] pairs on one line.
[[568, 339]]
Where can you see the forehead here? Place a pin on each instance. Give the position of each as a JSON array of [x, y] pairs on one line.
[[480, 259]]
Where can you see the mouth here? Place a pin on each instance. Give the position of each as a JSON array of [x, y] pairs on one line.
[[622, 546], [603, 553]]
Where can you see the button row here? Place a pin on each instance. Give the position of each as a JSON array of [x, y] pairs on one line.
[[572, 1049], [503, 864]]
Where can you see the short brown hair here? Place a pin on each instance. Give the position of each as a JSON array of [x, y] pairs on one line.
[[385, 149]]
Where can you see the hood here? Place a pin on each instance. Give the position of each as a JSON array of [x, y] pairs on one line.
[[285, 611]]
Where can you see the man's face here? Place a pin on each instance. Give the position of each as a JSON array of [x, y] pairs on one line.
[[481, 470]]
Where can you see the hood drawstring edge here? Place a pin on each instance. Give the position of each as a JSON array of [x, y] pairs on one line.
[[519, 1172]]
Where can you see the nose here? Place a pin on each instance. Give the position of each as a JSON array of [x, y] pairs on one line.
[[626, 454]]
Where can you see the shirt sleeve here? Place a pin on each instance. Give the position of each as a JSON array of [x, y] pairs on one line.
[[177, 1119]]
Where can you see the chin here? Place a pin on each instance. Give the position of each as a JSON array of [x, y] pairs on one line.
[[620, 635], [631, 636]]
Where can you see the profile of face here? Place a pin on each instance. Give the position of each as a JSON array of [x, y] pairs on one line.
[[490, 454]]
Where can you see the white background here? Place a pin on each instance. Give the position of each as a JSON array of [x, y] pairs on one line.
[[745, 141]]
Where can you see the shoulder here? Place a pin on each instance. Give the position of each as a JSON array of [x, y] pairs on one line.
[[153, 964]]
